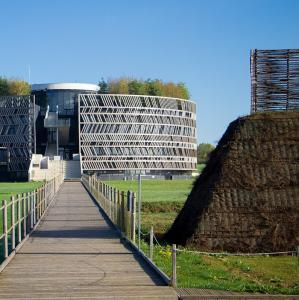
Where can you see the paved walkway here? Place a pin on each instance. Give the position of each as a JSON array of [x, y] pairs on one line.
[[74, 254]]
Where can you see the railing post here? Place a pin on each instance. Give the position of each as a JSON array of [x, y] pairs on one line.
[[32, 210], [13, 221], [40, 203], [34, 207], [24, 214], [298, 253], [128, 215], [173, 277], [110, 203], [122, 209], [44, 197], [37, 204], [114, 206], [19, 218], [5, 228], [151, 250], [133, 217], [117, 208], [28, 202]]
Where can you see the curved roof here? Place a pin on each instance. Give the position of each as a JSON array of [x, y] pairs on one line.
[[65, 86]]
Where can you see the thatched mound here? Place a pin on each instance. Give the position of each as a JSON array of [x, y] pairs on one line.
[[247, 198]]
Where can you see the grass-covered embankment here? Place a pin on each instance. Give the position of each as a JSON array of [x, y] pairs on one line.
[[259, 274]]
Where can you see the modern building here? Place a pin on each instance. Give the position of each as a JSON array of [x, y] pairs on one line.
[[120, 133], [17, 135], [104, 133], [57, 121]]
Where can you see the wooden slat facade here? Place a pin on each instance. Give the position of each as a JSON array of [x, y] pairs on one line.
[[274, 80]]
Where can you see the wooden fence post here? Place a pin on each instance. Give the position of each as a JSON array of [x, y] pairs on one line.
[[44, 198], [151, 250], [13, 221], [133, 217], [110, 202], [173, 277], [114, 206], [40, 203], [5, 228], [31, 210], [19, 219], [34, 207], [122, 210], [24, 214]]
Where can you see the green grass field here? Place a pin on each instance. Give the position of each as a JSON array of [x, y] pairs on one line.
[[200, 167], [273, 275], [157, 190], [161, 200], [8, 189]]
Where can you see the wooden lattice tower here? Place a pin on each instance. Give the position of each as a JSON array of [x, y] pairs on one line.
[[274, 80]]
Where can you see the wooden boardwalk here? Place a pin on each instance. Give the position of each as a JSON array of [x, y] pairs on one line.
[[75, 254]]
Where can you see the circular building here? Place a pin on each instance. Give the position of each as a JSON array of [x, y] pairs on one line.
[[119, 133], [57, 121]]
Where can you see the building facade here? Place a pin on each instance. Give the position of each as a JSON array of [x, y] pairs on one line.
[[57, 121], [104, 133], [17, 135], [120, 133]]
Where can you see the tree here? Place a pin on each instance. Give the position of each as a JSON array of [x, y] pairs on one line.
[[14, 87], [153, 87], [203, 152], [136, 87], [18, 87], [3, 86], [123, 86], [104, 88]]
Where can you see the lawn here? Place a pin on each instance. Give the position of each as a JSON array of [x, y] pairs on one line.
[[14, 188], [9, 189], [200, 167], [157, 190], [161, 200], [234, 273]]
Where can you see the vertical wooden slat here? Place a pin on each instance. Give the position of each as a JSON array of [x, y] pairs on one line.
[[19, 219], [24, 215], [5, 228], [151, 248], [32, 209], [13, 221], [133, 217], [173, 277]]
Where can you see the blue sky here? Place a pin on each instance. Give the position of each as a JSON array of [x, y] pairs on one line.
[[205, 44]]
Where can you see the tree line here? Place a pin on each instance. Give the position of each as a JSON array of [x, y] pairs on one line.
[[153, 87], [203, 152], [14, 87]]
